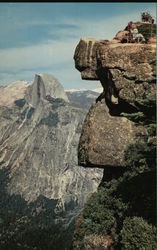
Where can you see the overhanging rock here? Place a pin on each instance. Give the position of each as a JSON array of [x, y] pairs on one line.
[[127, 73]]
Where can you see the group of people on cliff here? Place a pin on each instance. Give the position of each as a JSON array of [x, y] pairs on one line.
[[134, 35]]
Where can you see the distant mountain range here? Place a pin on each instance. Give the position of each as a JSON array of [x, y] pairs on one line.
[[98, 90], [42, 188], [83, 98]]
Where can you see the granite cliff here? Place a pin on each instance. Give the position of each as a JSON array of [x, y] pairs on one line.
[[40, 178], [127, 74], [119, 136]]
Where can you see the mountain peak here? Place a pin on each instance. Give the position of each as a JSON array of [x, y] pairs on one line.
[[45, 85], [12, 92]]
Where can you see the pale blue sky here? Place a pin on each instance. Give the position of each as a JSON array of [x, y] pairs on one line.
[[41, 37]]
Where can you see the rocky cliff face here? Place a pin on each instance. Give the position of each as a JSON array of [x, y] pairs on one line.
[[127, 74], [43, 86], [119, 136], [39, 136]]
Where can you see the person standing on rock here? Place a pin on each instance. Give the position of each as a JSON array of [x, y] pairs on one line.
[[136, 37]]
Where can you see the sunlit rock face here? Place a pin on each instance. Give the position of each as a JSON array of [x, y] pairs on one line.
[[105, 138], [39, 135], [127, 74], [44, 85], [10, 93]]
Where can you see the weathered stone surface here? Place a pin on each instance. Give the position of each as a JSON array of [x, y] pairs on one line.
[[126, 71], [39, 140], [9, 94], [127, 74], [121, 35], [86, 58], [105, 138], [152, 40], [44, 85]]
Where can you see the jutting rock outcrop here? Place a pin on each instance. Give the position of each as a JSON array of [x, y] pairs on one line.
[[127, 73]]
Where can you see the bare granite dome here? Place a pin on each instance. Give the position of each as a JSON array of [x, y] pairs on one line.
[[45, 85]]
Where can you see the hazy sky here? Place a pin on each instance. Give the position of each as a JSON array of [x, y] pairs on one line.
[[41, 37]]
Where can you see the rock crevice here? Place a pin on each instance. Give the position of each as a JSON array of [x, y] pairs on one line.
[[126, 72]]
